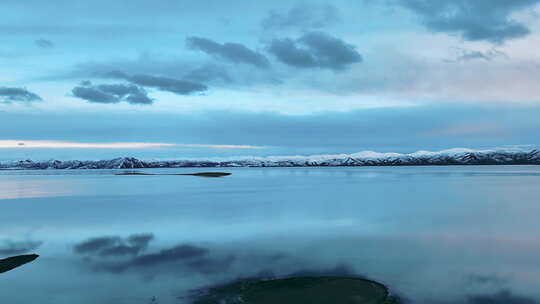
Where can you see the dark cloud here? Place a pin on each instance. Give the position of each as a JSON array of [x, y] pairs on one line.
[[8, 247], [111, 93], [203, 72], [234, 52], [303, 17], [140, 240], [209, 72], [114, 245], [315, 50], [503, 297], [10, 95], [488, 20], [177, 86], [44, 43]]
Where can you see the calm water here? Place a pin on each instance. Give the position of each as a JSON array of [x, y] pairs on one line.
[[432, 234]]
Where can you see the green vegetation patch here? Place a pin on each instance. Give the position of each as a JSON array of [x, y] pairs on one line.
[[298, 290], [201, 174], [16, 261]]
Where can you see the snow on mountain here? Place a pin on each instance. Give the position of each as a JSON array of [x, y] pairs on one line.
[[458, 156]]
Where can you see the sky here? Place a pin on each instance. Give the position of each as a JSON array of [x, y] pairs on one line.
[[191, 79]]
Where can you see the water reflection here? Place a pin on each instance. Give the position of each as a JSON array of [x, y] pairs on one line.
[[433, 234], [28, 188], [17, 247]]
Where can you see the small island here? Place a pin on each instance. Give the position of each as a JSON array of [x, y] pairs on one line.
[[201, 174], [16, 261], [294, 290]]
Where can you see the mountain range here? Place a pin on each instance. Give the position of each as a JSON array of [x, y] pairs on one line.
[[366, 158]]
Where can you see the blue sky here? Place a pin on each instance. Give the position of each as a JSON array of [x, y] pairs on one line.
[[224, 78]]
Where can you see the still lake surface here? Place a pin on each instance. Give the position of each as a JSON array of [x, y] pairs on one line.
[[456, 234]]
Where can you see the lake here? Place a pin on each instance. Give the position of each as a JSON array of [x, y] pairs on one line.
[[456, 234]]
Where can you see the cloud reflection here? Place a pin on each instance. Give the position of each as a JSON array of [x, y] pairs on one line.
[[114, 246], [502, 297], [11, 247]]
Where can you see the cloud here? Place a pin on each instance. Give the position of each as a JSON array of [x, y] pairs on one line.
[[463, 55], [303, 17], [488, 20], [114, 245], [77, 30], [209, 72], [10, 95], [111, 93], [234, 52], [177, 86], [502, 297], [401, 129], [203, 72], [51, 144], [44, 43], [140, 240], [9, 247], [315, 50]]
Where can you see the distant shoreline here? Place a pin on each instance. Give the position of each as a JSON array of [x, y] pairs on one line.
[[431, 159], [299, 166]]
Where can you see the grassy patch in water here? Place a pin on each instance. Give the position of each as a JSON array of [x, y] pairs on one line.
[[298, 290], [16, 261], [201, 174]]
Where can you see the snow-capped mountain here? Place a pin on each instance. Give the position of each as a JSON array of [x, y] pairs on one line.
[[366, 158]]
